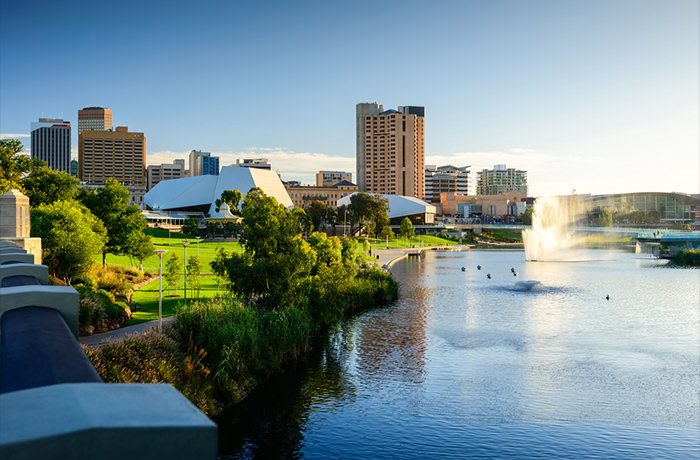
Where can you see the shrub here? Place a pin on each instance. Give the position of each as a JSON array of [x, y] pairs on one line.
[[155, 358], [688, 257]]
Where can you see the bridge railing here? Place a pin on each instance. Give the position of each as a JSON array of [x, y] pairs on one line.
[[53, 403]]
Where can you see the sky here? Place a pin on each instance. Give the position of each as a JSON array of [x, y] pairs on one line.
[[596, 96]]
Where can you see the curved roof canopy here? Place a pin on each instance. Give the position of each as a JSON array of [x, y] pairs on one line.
[[399, 205], [205, 190]]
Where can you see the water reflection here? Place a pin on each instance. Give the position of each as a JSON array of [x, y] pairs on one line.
[[465, 365]]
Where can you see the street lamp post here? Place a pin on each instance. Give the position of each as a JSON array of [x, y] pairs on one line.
[[345, 223], [184, 245], [160, 253]]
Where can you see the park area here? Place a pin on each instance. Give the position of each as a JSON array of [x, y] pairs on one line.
[[144, 301]]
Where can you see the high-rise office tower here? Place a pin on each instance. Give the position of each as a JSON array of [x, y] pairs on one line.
[[94, 119], [391, 150], [51, 143], [118, 154]]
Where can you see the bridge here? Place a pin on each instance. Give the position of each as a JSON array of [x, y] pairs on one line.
[[53, 404]]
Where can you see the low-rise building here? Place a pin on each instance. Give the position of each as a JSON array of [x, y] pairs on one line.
[[303, 195], [507, 206], [259, 163], [330, 178], [165, 171]]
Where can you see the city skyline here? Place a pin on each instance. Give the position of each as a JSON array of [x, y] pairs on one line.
[[598, 97]]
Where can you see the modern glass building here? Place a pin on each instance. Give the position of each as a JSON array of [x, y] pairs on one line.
[[210, 165], [651, 206]]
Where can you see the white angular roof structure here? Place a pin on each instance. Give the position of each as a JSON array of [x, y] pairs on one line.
[[399, 205], [205, 190]]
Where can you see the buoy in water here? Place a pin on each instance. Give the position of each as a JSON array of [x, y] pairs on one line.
[[488, 275], [464, 269], [512, 269], [478, 267]]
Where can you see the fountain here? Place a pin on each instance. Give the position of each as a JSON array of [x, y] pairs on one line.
[[551, 237]]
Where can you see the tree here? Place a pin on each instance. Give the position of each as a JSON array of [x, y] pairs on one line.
[[317, 212], [276, 261], [231, 198], [70, 236], [14, 165], [111, 205], [605, 218], [406, 230], [44, 186], [140, 248], [369, 211], [386, 233], [173, 269], [194, 269], [191, 226], [526, 217]]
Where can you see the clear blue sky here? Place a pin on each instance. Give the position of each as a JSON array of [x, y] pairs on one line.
[[599, 96]]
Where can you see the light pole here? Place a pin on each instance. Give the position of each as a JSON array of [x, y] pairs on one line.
[[345, 223], [184, 245], [160, 253]]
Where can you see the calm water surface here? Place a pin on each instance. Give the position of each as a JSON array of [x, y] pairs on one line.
[[463, 366]]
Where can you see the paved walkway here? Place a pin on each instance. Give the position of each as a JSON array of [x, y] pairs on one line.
[[119, 334]]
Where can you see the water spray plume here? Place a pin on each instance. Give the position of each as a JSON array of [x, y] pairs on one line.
[[552, 236]]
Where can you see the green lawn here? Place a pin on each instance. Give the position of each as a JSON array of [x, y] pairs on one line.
[[147, 298], [207, 251], [417, 241]]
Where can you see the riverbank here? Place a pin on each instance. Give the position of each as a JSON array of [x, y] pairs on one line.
[[217, 352]]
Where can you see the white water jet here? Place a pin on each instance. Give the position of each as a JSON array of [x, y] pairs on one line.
[[552, 237]]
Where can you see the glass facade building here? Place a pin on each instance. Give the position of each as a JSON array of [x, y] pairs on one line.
[[653, 206]]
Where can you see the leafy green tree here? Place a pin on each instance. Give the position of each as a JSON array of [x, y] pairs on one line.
[[526, 217], [317, 212], [191, 226], [194, 269], [70, 236], [173, 269], [276, 261], [605, 218], [328, 250], [406, 230], [653, 217], [231, 198], [140, 247], [111, 205], [369, 211], [44, 186], [386, 233], [14, 165]]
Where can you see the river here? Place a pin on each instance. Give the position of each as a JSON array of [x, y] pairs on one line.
[[601, 359]]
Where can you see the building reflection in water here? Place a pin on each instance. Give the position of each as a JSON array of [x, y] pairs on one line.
[[391, 342]]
